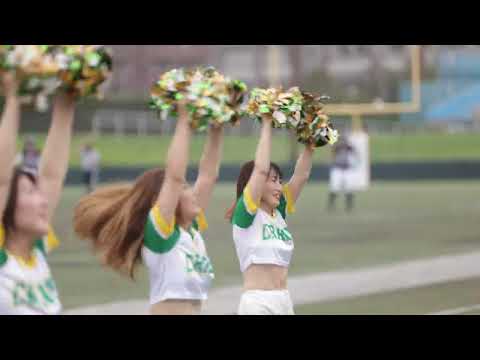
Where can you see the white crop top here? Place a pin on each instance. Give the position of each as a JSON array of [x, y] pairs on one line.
[[177, 260], [27, 287], [259, 237]]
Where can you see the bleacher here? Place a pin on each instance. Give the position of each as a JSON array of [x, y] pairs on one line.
[[454, 96]]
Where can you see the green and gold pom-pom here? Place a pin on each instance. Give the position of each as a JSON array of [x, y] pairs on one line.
[[284, 106], [35, 68], [210, 97], [83, 69], [315, 127], [4, 51], [28, 60], [293, 109], [45, 69]]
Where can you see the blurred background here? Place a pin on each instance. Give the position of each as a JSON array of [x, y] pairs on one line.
[[403, 240]]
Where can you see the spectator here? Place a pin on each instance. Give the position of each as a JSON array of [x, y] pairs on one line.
[[90, 159], [341, 181], [29, 158]]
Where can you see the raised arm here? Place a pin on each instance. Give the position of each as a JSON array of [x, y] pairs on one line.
[[301, 173], [55, 156], [209, 166], [262, 161], [176, 168], [8, 135]]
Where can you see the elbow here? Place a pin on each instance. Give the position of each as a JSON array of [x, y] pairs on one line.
[[210, 173], [214, 175], [208, 179], [51, 174], [175, 178], [212, 178]]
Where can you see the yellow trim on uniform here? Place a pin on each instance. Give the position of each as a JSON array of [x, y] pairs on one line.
[[2, 236], [249, 202], [51, 241], [202, 222], [165, 228], [30, 263], [289, 199]]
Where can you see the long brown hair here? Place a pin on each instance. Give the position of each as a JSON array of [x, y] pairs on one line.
[[113, 219], [8, 219], [243, 178]]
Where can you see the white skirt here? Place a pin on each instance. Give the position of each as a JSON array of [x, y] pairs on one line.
[[266, 302]]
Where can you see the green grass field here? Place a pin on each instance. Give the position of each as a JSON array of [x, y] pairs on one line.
[[151, 150], [392, 222]]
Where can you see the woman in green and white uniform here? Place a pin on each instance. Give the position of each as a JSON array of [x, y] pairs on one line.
[[27, 205], [263, 242], [159, 219]]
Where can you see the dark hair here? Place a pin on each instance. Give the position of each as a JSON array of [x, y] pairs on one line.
[[8, 219], [245, 173]]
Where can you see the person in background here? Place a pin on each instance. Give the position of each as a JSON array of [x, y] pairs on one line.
[[344, 159], [29, 158], [90, 159]]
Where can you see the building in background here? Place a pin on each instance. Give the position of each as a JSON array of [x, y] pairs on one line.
[[137, 66], [348, 73]]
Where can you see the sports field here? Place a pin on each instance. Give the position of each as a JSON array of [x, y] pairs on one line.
[[393, 222], [151, 150], [455, 297]]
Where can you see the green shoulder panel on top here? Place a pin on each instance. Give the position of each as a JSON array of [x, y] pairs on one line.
[[283, 207], [3, 257], [40, 245], [155, 242], [241, 217]]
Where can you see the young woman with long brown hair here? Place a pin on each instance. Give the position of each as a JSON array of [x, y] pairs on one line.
[[263, 243], [27, 205], [159, 219]]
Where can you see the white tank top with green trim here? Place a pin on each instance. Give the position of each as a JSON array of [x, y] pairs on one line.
[[28, 288], [259, 237], [177, 261]]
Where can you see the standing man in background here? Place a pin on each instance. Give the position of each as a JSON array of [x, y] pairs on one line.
[[90, 159], [341, 179]]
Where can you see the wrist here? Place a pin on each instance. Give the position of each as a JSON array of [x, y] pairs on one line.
[[310, 148], [216, 130], [9, 84], [12, 98], [65, 100], [267, 119]]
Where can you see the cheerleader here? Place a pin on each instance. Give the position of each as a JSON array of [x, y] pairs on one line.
[[160, 220], [28, 200], [264, 244]]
